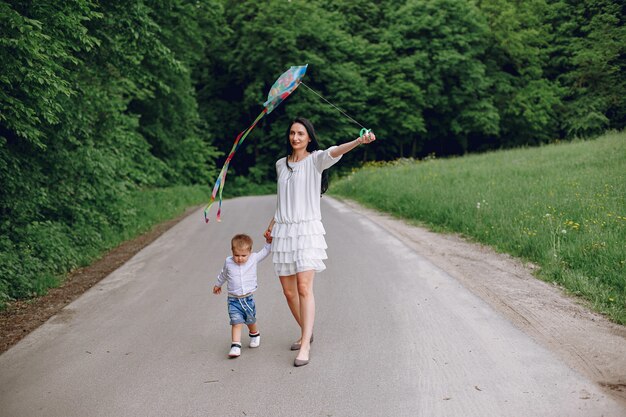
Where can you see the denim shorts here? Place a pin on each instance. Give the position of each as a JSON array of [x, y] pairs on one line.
[[242, 310]]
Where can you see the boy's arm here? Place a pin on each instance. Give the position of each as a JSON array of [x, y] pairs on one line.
[[221, 279], [262, 254]]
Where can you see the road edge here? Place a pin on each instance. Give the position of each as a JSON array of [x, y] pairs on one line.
[[586, 341], [22, 317]]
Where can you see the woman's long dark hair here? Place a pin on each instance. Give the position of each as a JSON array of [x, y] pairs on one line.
[[311, 146]]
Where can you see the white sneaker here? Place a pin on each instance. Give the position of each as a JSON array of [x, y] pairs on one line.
[[235, 350], [255, 341]]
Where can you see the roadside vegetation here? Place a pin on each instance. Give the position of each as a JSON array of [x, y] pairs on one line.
[[52, 248], [560, 206], [103, 100]]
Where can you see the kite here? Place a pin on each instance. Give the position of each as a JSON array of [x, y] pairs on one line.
[[282, 88]]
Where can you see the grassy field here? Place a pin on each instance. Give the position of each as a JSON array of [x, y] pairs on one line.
[[560, 206]]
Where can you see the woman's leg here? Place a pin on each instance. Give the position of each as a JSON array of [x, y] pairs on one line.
[[290, 289], [307, 310]]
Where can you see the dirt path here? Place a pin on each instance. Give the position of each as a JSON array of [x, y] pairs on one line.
[[586, 341], [22, 317]]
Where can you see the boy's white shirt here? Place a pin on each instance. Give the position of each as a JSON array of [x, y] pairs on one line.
[[242, 279]]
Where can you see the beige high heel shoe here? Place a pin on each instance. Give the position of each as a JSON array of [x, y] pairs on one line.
[[300, 362]]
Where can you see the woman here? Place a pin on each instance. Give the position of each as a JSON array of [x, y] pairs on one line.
[[298, 245]]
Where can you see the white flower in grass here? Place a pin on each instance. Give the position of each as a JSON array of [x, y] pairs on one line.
[[478, 205]]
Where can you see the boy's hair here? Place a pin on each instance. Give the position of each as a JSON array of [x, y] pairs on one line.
[[241, 241]]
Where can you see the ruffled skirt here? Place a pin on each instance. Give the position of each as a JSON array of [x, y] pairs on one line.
[[298, 247]]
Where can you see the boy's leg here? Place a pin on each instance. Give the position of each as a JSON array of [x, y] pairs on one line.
[[255, 336], [236, 333], [235, 346], [237, 319]]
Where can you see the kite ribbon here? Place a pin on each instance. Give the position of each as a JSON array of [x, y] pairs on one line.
[[282, 88], [221, 179]]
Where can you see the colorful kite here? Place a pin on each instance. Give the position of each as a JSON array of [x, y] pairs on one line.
[[284, 85]]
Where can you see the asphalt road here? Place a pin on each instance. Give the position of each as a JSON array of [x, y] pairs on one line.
[[394, 336]]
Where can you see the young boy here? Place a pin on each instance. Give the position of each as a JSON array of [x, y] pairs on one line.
[[240, 273]]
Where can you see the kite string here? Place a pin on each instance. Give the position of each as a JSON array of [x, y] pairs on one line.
[[340, 110]]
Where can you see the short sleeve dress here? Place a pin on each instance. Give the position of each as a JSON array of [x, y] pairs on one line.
[[298, 242]]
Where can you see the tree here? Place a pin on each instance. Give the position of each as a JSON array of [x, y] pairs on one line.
[[518, 51], [73, 132], [588, 61], [439, 47], [177, 33]]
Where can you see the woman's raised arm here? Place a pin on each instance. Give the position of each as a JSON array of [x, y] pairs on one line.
[[339, 150]]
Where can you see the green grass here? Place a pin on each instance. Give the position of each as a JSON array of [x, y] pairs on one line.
[[560, 206], [49, 250], [153, 206]]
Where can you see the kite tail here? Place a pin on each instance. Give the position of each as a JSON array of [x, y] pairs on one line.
[[221, 178]]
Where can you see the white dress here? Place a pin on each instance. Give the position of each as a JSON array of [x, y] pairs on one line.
[[298, 242]]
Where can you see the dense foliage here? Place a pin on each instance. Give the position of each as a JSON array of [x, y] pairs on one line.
[[97, 100], [101, 99]]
